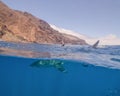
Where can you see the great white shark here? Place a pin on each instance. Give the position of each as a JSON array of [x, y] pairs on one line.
[[58, 64]]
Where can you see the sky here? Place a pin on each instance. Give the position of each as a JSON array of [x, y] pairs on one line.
[[94, 18]]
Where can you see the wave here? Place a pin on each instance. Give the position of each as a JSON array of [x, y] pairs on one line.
[[106, 56]]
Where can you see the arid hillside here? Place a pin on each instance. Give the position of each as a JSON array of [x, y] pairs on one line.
[[18, 26]]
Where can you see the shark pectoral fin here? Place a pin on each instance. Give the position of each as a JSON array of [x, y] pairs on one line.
[[60, 68]]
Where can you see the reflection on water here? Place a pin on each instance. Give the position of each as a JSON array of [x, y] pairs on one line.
[[13, 52], [18, 78], [98, 57]]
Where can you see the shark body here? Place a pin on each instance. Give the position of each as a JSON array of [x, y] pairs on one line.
[[58, 64]]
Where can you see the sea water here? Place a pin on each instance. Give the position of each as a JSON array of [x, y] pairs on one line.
[[90, 72]]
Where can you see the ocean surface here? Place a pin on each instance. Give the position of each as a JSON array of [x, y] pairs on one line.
[[90, 72]]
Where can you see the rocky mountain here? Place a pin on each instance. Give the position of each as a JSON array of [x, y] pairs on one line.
[[18, 26]]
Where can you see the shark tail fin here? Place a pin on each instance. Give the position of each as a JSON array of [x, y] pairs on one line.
[[60, 68]]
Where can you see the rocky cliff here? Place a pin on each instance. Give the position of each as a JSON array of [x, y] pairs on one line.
[[18, 26]]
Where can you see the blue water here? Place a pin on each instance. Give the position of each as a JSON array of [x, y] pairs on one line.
[[84, 78]]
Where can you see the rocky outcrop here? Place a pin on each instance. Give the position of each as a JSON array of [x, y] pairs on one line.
[[18, 26]]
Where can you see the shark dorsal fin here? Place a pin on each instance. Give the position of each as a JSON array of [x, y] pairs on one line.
[[96, 44]]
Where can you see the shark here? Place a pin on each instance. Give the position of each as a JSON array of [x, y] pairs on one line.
[[58, 64], [96, 44]]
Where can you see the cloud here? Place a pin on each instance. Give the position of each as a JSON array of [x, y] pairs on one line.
[[110, 39]]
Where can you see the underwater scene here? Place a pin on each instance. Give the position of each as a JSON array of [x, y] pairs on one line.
[[55, 70]]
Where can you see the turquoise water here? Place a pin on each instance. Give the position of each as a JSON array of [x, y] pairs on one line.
[[18, 78]]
